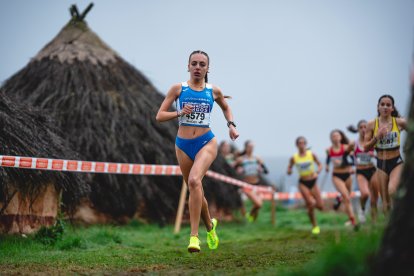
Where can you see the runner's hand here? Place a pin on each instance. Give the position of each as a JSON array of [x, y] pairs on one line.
[[319, 170], [382, 132], [239, 170], [233, 133], [187, 109]]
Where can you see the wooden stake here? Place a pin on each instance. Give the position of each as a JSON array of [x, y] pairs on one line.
[[180, 211], [273, 208]]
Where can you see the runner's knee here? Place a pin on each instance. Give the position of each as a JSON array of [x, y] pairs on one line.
[[392, 189], [346, 199], [310, 204], [194, 183], [364, 195], [319, 205]]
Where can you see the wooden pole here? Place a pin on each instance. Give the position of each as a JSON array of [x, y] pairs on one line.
[[180, 211], [85, 12], [273, 208]]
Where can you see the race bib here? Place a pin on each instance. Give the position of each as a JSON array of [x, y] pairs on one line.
[[250, 168], [363, 158], [337, 161], [200, 115], [304, 167], [389, 141]]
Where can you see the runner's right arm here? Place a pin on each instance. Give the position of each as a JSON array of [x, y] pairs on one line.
[[317, 163], [163, 113], [328, 160], [291, 163], [369, 140]]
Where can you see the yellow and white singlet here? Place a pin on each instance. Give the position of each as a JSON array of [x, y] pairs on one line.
[[390, 141], [304, 164]]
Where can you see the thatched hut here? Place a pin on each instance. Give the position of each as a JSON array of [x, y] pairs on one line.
[[30, 199], [106, 108]]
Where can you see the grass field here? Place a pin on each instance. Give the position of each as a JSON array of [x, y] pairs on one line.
[[259, 248]]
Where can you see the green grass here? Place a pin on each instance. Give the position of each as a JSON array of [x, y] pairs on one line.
[[259, 248]]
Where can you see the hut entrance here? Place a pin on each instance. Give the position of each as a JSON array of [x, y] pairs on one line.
[[30, 199], [23, 216]]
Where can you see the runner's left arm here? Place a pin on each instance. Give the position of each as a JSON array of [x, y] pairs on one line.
[[265, 170], [291, 163], [317, 163], [221, 101], [402, 123], [328, 160], [369, 139]]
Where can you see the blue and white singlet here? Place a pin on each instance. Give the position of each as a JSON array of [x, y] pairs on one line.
[[202, 102]]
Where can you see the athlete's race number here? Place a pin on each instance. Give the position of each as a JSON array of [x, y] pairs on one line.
[[196, 116], [200, 114]]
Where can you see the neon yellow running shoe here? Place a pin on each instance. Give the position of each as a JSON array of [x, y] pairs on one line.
[[316, 230], [249, 218], [194, 245], [212, 238]]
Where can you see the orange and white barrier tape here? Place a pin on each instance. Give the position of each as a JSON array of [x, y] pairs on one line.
[[86, 166], [35, 163], [242, 184], [297, 195], [50, 164]]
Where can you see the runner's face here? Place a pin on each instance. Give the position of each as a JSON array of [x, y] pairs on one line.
[[362, 127], [301, 144], [249, 148], [385, 107], [336, 137], [225, 148], [198, 66]]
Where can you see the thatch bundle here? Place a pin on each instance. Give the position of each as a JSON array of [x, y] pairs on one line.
[[28, 198], [106, 108]]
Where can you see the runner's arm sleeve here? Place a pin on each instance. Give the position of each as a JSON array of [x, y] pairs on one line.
[[265, 170], [328, 160]]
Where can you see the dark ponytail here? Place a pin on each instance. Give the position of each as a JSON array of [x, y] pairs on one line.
[[354, 129], [395, 113]]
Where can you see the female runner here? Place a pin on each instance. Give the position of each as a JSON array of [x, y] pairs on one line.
[[228, 152], [195, 145], [383, 134], [304, 160], [341, 175], [250, 167], [365, 172]]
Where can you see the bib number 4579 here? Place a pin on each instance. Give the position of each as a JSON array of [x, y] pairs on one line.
[[196, 116]]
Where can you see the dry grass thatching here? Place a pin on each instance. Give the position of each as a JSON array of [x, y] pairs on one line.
[[27, 132]]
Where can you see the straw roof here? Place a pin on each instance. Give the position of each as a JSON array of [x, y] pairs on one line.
[[27, 132], [106, 109]]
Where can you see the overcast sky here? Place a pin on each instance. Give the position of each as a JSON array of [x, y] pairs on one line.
[[293, 68]]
